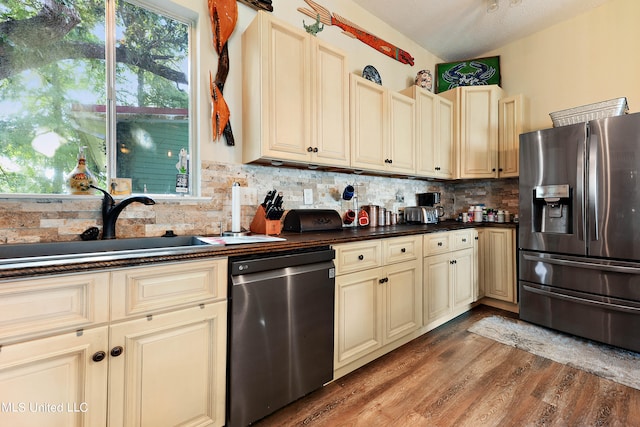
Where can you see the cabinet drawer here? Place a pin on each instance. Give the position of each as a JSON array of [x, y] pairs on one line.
[[36, 307], [400, 249], [358, 256], [462, 239], [146, 290], [436, 243]]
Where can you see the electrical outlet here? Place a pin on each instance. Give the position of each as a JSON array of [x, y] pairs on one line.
[[399, 197], [308, 196]]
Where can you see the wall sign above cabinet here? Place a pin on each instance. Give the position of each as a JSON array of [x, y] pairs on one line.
[[353, 30]]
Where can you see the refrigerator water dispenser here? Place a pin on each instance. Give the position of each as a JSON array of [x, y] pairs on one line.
[[552, 209]]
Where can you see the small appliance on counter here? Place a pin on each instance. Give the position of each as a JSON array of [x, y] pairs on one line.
[[304, 220], [426, 212], [421, 215]]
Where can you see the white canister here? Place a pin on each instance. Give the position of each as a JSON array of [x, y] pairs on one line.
[[477, 214], [500, 216], [465, 217]]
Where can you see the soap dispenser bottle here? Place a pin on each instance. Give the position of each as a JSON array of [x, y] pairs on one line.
[[80, 179]]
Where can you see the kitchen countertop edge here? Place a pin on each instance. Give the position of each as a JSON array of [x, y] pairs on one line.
[[293, 241]]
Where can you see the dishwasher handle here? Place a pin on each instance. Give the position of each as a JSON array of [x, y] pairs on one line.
[[277, 261]]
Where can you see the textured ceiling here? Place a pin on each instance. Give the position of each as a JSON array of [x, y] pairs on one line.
[[462, 29]]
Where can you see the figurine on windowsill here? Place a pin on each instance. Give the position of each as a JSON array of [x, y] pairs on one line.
[[80, 179]]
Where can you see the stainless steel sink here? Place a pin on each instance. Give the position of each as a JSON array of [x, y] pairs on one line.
[[39, 254]]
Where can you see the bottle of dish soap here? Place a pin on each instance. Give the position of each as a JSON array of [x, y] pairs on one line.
[[80, 179]]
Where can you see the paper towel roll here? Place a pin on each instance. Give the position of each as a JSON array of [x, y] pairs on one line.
[[235, 208]]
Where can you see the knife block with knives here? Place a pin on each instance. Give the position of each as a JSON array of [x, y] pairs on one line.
[[267, 217]]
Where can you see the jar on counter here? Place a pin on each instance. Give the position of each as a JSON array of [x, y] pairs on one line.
[[477, 214], [471, 212], [500, 216], [490, 216]]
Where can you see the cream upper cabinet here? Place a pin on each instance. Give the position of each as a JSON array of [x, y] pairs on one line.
[[434, 134], [401, 151], [498, 255], [382, 128], [475, 130], [295, 96], [511, 119], [369, 124]]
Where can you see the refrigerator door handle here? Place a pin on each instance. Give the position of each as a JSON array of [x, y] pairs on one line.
[[593, 303], [593, 187], [583, 264], [580, 193]]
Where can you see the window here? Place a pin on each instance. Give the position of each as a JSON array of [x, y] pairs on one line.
[[109, 77]]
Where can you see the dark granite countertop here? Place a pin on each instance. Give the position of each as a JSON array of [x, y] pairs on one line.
[[293, 241]]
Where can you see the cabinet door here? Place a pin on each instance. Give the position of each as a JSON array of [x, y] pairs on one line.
[[331, 114], [511, 121], [444, 165], [369, 130], [402, 299], [434, 133], [464, 283], [172, 369], [54, 381], [427, 150], [499, 259], [402, 140], [479, 132], [358, 315], [436, 299], [480, 248], [276, 91]]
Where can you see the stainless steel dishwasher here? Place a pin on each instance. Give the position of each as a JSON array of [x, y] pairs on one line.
[[281, 328]]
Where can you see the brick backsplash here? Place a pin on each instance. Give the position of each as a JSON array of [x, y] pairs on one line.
[[50, 219]]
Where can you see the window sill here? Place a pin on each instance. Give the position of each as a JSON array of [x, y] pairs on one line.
[[46, 197]]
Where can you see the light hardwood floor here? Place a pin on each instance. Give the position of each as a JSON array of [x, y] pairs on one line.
[[451, 377]]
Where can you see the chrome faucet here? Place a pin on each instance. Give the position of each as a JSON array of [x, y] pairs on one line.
[[111, 211]]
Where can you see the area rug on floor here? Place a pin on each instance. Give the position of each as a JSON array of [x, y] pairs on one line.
[[618, 365]]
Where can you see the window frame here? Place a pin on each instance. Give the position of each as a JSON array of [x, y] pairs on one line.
[[185, 16]]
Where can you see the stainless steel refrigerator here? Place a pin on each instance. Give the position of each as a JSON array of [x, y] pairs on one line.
[[579, 233]]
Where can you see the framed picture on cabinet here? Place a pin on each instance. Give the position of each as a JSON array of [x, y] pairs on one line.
[[472, 72]]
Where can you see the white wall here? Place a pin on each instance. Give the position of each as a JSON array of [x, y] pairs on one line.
[[593, 57]]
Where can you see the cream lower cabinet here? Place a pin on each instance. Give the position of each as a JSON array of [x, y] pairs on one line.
[[378, 298], [141, 346], [57, 381], [171, 371], [450, 275], [498, 256]]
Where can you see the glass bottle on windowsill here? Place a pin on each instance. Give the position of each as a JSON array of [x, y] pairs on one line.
[[80, 179]]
